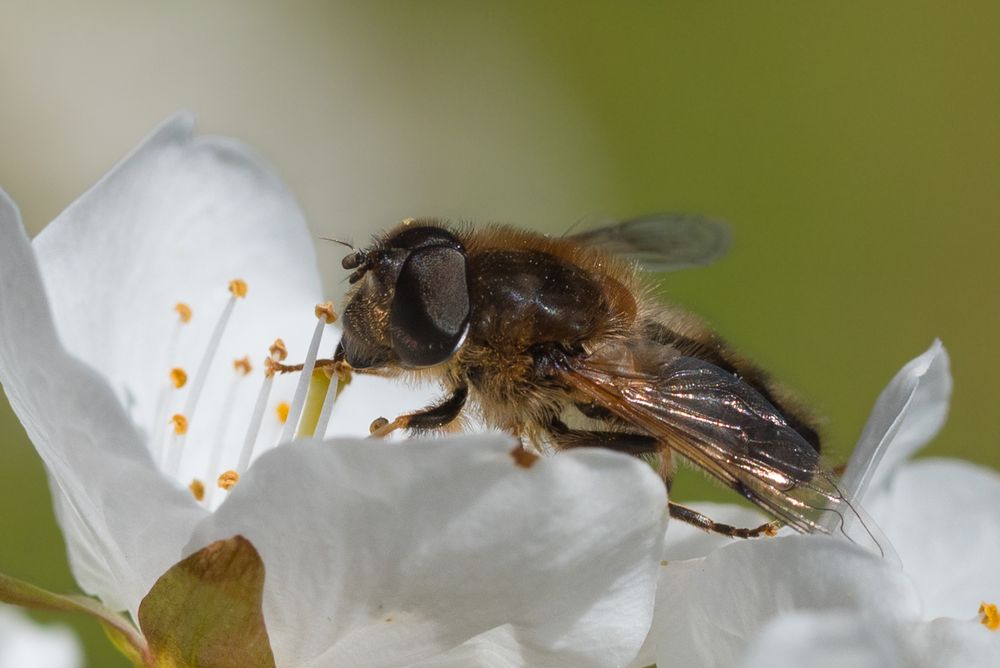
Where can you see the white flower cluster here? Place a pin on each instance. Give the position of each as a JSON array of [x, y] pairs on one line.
[[442, 552]]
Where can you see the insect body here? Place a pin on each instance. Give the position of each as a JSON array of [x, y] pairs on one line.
[[559, 341]]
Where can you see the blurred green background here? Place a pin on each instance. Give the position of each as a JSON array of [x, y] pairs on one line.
[[853, 146]]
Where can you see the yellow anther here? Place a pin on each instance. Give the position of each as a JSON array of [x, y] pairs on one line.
[[282, 411], [238, 287], [989, 616], [228, 479], [269, 367], [197, 488], [184, 311], [278, 350], [325, 310], [180, 424], [243, 366], [178, 377]]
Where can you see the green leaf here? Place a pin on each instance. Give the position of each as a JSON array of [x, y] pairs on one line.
[[125, 636], [206, 610]]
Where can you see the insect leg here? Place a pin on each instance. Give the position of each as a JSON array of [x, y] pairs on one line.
[[633, 444], [433, 417], [694, 518], [565, 438]]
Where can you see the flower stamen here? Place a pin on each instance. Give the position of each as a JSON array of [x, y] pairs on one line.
[[241, 369], [238, 288], [324, 316], [989, 616], [160, 415], [278, 352]]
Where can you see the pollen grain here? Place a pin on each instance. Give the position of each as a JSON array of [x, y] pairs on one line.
[[282, 411]]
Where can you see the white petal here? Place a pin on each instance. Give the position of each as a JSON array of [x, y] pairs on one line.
[[941, 515], [175, 221], [24, 644], [497, 648], [684, 541], [908, 413], [709, 609], [123, 523], [383, 554], [836, 639]]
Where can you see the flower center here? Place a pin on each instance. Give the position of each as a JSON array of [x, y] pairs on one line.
[[172, 453]]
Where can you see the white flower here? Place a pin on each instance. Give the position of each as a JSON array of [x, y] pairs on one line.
[[375, 553], [24, 644], [819, 601]]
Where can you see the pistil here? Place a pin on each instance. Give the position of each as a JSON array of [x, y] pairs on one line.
[[324, 316]]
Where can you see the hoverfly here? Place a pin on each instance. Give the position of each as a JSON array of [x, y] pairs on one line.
[[538, 334]]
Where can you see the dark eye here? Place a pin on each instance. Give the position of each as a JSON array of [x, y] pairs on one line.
[[429, 315]]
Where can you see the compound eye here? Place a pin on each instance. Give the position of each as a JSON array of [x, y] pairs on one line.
[[429, 315]]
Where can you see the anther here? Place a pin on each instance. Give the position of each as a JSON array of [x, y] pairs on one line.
[[163, 401], [278, 350], [282, 410], [243, 366], [238, 288], [989, 616], [228, 479], [197, 488], [183, 311], [299, 398], [325, 311], [180, 424], [178, 377]]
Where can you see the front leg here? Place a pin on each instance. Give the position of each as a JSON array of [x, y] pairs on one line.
[[428, 419]]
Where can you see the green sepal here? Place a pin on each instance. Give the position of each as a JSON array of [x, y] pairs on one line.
[[124, 636], [124, 645], [206, 610]]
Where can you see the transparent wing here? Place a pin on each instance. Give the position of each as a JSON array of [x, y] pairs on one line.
[[663, 242], [727, 428]]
